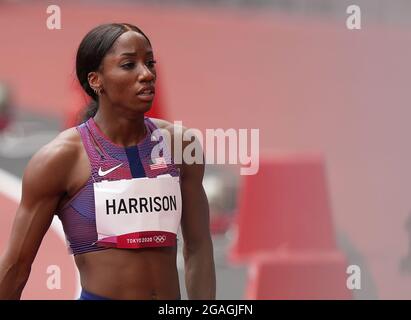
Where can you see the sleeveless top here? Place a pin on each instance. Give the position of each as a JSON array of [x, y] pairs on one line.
[[78, 214]]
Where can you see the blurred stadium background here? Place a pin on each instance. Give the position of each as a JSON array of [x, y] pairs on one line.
[[332, 106]]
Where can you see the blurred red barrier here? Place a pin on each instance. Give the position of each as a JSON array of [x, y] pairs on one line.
[[285, 204], [220, 222], [285, 231], [298, 276], [4, 122]]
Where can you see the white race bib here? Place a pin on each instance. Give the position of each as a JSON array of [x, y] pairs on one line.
[[139, 212]]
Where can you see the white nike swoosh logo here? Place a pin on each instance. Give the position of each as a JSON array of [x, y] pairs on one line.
[[102, 173]]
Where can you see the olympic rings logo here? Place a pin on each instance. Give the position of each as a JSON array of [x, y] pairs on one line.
[[159, 239]]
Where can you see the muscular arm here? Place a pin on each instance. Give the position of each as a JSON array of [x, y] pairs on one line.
[[198, 248], [195, 223], [43, 185]]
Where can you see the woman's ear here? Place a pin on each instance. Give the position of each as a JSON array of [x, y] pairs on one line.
[[94, 79]]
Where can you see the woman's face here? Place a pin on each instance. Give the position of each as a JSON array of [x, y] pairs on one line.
[[128, 74]]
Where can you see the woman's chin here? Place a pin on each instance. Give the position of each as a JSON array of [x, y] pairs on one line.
[[143, 107]]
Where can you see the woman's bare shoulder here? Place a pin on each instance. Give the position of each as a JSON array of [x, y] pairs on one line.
[[57, 158], [64, 146]]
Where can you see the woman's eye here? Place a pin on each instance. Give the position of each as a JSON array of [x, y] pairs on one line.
[[151, 63], [129, 65]]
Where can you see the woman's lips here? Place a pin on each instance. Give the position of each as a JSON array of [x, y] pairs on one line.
[[146, 93]]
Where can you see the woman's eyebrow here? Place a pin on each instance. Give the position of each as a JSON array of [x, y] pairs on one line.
[[134, 53], [128, 54]]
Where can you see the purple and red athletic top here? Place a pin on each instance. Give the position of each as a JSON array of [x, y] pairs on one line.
[[78, 214]]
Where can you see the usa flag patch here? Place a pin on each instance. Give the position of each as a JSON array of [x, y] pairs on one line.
[[158, 163]]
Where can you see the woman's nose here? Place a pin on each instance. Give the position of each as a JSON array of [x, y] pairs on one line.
[[145, 74]]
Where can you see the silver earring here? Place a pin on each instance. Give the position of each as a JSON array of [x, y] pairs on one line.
[[97, 91]]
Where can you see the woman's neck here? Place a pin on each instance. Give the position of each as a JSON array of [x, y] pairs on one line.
[[122, 130]]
